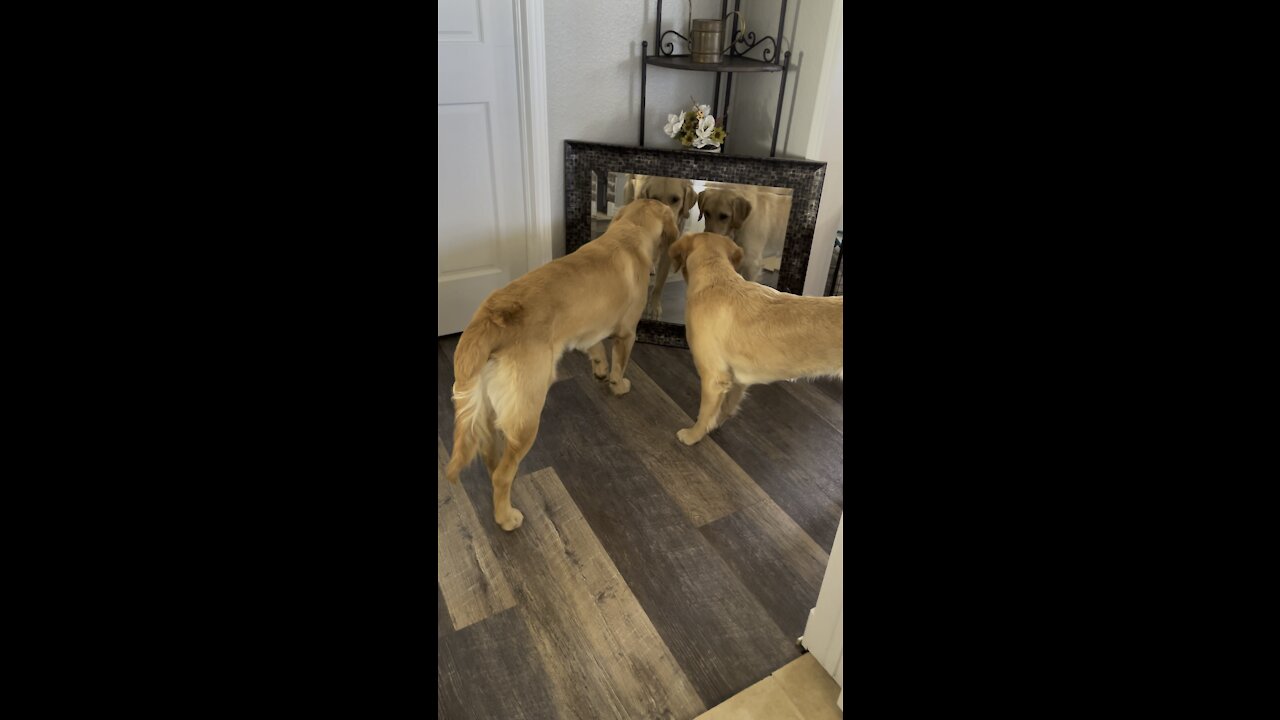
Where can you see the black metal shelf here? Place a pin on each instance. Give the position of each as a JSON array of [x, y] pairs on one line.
[[733, 61], [733, 64]]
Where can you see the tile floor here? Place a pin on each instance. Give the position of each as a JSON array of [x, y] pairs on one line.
[[800, 690]]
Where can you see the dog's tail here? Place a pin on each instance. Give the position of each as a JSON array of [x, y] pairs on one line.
[[473, 424]]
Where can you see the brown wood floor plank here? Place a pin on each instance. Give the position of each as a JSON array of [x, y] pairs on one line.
[[796, 457], [603, 656], [444, 625], [491, 670], [470, 580], [702, 479], [776, 560]]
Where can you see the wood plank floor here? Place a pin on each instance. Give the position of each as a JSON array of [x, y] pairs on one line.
[[650, 579]]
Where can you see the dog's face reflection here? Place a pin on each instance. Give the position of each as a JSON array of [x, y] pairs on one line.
[[675, 194], [723, 211]]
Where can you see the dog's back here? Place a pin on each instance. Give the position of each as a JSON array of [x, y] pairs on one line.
[[761, 334], [764, 335]]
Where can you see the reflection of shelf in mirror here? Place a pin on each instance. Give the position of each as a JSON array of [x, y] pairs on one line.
[[730, 63]]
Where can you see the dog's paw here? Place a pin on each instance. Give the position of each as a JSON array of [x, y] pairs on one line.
[[514, 520], [600, 371], [620, 387], [687, 436], [653, 312]]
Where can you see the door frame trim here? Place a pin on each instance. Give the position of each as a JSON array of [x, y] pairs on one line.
[[531, 81]]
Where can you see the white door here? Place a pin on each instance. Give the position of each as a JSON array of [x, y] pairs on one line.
[[483, 225]]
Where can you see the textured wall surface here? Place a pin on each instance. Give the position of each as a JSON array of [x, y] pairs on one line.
[[755, 95], [593, 79]]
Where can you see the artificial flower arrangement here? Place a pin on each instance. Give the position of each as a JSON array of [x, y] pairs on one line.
[[695, 128]]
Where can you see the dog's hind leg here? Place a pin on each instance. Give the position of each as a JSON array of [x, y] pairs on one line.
[[518, 416], [715, 385], [493, 452], [599, 361], [491, 440], [732, 400], [622, 345], [517, 446]]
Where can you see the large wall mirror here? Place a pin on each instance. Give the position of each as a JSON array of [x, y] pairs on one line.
[[767, 205]]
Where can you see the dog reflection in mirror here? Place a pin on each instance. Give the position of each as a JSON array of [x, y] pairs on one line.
[[744, 333], [754, 218], [676, 194]]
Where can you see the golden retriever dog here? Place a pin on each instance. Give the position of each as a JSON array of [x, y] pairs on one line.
[[742, 333], [506, 358], [679, 196], [754, 218]]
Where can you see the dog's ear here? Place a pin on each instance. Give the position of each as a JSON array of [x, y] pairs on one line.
[[689, 199], [741, 209], [701, 198], [679, 251], [735, 255]]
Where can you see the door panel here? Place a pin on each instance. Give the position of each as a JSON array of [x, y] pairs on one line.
[[482, 225]]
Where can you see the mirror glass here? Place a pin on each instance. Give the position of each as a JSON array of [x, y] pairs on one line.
[[753, 216]]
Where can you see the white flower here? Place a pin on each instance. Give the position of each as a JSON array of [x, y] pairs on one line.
[[705, 126], [674, 124], [700, 142], [704, 109]]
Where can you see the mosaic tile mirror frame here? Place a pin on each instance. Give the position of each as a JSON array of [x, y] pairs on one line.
[[594, 173]]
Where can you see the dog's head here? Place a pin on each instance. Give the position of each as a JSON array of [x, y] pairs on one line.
[[644, 211], [723, 210], [700, 245], [675, 194]]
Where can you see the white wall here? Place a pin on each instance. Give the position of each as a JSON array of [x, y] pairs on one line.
[[812, 123], [824, 631], [593, 79], [809, 30], [826, 142], [593, 92]]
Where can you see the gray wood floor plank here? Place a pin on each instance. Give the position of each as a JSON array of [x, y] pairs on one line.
[[444, 395], [718, 631], [815, 395], [471, 582], [776, 560], [702, 479], [796, 457], [603, 655], [491, 670], [832, 387]]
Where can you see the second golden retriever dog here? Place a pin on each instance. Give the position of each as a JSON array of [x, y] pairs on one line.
[[755, 218], [676, 194], [506, 359], [742, 333]]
